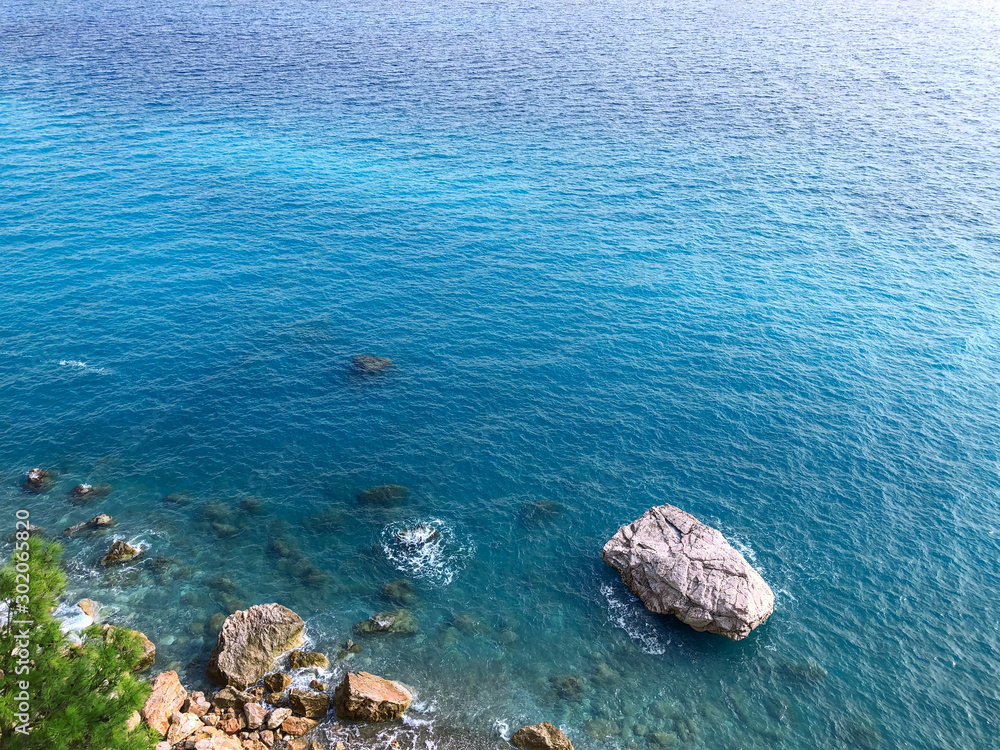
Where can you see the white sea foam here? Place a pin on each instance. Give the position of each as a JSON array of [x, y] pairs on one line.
[[502, 728], [786, 592], [627, 612], [410, 721], [72, 620], [744, 549], [84, 366], [437, 560]]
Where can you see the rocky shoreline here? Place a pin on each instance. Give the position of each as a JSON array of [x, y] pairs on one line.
[[256, 706]]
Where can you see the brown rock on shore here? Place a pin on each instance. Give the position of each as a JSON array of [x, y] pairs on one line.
[[366, 697], [167, 698], [249, 642], [544, 736], [309, 703], [277, 682], [297, 725]]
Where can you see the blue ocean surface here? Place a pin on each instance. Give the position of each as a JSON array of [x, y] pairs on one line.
[[741, 257]]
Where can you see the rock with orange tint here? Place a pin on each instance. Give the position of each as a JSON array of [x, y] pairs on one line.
[[167, 698], [366, 697]]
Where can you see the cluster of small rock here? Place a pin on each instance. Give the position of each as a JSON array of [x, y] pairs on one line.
[[42, 480], [255, 709], [232, 720]]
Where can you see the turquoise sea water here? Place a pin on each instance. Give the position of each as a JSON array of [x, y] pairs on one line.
[[739, 257]]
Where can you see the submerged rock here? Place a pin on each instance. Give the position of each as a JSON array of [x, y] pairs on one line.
[[178, 498], [216, 621], [253, 505], [605, 675], [100, 521], [537, 511], [249, 642], [366, 697], [400, 591], [325, 521], [661, 739], [369, 364], [349, 649], [385, 494], [544, 736], [568, 687], [400, 621], [601, 729], [120, 552], [469, 625], [809, 670], [39, 480], [87, 492], [679, 566]]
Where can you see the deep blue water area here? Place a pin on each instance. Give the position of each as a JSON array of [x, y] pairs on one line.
[[739, 257]]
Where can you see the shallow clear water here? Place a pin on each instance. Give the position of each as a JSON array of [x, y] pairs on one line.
[[739, 257]]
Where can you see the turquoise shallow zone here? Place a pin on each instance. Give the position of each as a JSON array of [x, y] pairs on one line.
[[743, 257]]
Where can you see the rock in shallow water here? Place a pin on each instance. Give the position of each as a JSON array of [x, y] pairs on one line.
[[400, 622], [39, 480], [309, 703], [100, 521], [544, 736], [366, 697], [86, 492], [306, 659], [120, 552], [249, 642], [679, 566]]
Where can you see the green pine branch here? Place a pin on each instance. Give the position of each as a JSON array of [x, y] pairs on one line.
[[80, 696]]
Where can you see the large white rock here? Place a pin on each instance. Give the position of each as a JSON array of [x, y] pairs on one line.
[[679, 566]]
